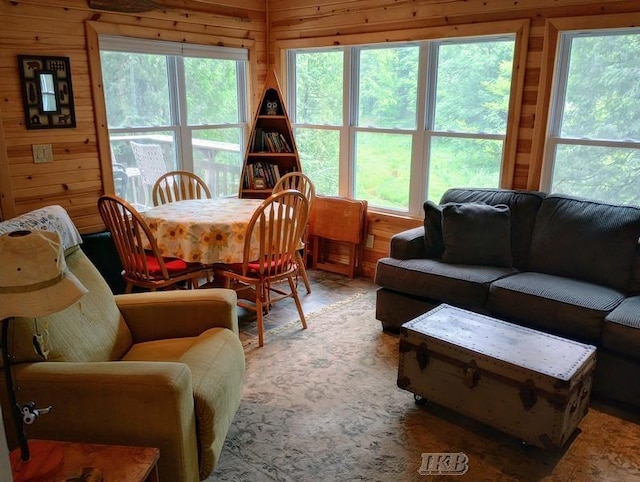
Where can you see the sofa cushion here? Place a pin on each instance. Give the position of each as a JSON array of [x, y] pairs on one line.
[[433, 230], [477, 234], [585, 240], [634, 284], [456, 284], [554, 304], [621, 330], [523, 206]]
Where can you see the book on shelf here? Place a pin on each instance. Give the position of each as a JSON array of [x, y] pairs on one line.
[[267, 171], [258, 140], [285, 144]]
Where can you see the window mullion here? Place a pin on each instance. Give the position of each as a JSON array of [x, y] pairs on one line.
[[431, 76], [419, 160], [177, 86], [349, 119]]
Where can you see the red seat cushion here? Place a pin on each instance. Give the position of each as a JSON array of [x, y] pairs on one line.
[[255, 265], [173, 265]]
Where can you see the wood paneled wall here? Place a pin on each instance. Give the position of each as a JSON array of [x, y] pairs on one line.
[[59, 27], [55, 27], [317, 23]]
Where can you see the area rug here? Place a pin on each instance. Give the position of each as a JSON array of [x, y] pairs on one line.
[[322, 404]]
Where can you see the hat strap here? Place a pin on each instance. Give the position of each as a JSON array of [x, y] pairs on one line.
[[32, 287]]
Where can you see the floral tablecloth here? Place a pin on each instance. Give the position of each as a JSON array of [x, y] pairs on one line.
[[202, 230]]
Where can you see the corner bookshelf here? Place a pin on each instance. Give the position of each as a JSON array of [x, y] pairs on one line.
[[271, 151]]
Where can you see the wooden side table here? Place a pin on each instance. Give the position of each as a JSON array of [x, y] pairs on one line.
[[106, 463]]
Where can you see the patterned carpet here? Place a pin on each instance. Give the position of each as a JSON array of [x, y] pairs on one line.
[[323, 405]]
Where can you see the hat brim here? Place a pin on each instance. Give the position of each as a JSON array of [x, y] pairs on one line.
[[44, 301]]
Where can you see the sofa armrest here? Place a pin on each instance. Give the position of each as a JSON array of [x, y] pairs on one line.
[[117, 403], [408, 244], [178, 313]]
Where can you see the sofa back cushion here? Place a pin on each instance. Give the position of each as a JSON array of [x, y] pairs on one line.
[[90, 330], [585, 239], [523, 208], [634, 285]]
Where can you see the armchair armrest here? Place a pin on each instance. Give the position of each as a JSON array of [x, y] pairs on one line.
[[408, 244], [124, 403], [178, 313]]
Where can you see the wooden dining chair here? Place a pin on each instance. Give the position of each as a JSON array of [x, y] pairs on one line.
[[177, 186], [277, 224], [142, 262], [300, 182]]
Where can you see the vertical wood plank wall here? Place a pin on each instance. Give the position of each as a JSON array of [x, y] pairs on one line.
[[57, 27], [321, 23]]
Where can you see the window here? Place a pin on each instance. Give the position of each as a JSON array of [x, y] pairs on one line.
[[173, 106], [399, 123], [593, 144]]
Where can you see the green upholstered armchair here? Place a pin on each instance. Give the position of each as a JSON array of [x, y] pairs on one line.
[[161, 369]]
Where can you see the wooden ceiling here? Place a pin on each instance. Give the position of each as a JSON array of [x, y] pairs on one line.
[[136, 6]]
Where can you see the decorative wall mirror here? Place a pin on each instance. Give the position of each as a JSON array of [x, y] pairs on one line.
[[46, 92]]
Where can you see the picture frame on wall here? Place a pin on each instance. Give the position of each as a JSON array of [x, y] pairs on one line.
[[46, 92]]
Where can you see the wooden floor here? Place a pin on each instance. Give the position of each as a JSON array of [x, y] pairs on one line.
[[326, 289]]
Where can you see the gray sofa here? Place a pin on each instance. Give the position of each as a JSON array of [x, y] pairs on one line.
[[559, 264]]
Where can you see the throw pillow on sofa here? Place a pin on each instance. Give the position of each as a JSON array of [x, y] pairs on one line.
[[433, 230], [477, 234]]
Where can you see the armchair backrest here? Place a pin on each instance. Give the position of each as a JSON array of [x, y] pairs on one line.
[[91, 330]]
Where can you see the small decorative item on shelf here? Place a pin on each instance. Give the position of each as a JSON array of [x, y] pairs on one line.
[[272, 107], [259, 183]]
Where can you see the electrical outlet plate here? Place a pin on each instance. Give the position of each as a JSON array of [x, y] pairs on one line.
[[369, 241], [42, 153]]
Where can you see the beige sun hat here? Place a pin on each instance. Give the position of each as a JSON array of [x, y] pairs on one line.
[[34, 279]]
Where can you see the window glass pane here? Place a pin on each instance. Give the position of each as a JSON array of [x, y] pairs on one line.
[[217, 159], [319, 153], [382, 167], [138, 160], [473, 85], [388, 86], [319, 88], [212, 91], [607, 174], [463, 162], [603, 93], [136, 90]]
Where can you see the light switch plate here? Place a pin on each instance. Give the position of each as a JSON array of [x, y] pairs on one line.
[[42, 153]]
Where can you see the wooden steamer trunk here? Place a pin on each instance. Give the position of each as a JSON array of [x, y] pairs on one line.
[[530, 384]]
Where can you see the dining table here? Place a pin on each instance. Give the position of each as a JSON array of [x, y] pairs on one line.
[[205, 231]]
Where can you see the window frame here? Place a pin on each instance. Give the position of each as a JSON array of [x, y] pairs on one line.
[[557, 101], [519, 29], [175, 54], [196, 41], [539, 163]]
